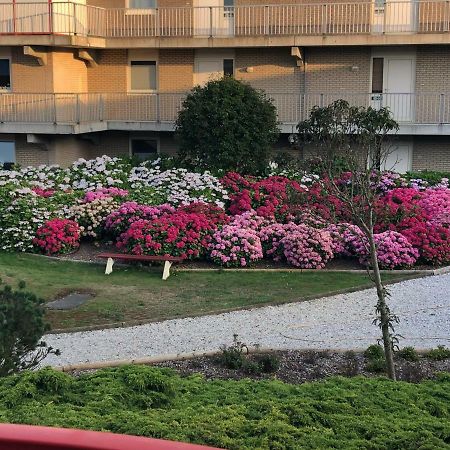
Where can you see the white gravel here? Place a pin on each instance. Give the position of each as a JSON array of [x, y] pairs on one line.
[[339, 322]]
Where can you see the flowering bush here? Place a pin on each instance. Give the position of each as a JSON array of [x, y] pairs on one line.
[[92, 216], [269, 197], [250, 220], [435, 204], [120, 220], [271, 237], [57, 236], [178, 234], [347, 239], [393, 250], [105, 193], [307, 247], [233, 246], [215, 214]]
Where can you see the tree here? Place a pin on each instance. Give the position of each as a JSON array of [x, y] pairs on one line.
[[227, 125], [22, 327], [357, 137]]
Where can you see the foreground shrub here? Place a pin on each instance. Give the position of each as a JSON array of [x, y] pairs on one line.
[[307, 247], [57, 236], [408, 353], [233, 246], [227, 125], [271, 237], [22, 327], [439, 354], [336, 413], [178, 234]]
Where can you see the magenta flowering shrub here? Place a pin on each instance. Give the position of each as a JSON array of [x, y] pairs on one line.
[[308, 247], [57, 236], [271, 237], [233, 246], [105, 193], [347, 239], [46, 193], [178, 234], [435, 205], [393, 250], [129, 212]]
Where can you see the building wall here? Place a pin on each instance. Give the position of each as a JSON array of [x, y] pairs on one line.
[[176, 70], [30, 154], [110, 75], [69, 72], [431, 153]]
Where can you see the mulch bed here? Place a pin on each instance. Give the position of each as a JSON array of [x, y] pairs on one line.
[[88, 252], [302, 366]]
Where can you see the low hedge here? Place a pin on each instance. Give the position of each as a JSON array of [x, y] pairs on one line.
[[356, 413]]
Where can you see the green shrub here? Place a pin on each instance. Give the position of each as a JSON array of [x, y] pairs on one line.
[[409, 354], [439, 354], [22, 327], [374, 352], [232, 357], [431, 176], [227, 125], [268, 363], [340, 413], [376, 365]]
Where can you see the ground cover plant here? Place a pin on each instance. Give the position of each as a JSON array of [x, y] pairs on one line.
[[131, 295], [355, 413], [230, 220]]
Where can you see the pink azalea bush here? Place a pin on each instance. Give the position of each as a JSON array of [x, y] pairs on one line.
[[271, 237], [215, 214], [234, 246], [129, 212], [435, 205], [46, 193], [308, 247], [179, 234], [347, 239], [393, 251], [251, 220], [57, 236], [105, 193]]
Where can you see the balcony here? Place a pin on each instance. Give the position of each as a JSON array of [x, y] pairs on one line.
[[418, 113], [315, 21]]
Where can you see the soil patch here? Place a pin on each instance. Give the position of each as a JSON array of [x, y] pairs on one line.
[[70, 301], [303, 366]]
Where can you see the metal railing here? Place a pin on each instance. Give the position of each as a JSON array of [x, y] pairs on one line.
[[329, 18], [409, 108]]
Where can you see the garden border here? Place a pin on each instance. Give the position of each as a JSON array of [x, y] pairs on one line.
[[188, 356]]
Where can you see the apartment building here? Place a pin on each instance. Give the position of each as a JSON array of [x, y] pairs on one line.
[[91, 77]]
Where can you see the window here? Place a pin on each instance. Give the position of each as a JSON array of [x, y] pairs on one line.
[[143, 75], [377, 75], [7, 154], [228, 3], [5, 75], [144, 148], [228, 67], [141, 4]]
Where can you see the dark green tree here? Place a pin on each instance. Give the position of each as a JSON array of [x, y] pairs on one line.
[[22, 326], [227, 125], [357, 137]]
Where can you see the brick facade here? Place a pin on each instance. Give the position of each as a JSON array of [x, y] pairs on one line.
[[431, 153]]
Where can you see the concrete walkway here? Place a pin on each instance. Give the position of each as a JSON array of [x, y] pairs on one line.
[[340, 322]]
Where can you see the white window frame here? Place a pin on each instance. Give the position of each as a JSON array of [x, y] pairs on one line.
[[142, 91], [143, 137], [3, 89]]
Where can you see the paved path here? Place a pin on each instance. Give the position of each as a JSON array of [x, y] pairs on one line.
[[340, 322]]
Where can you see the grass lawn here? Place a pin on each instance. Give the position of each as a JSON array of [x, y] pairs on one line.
[[338, 413], [137, 295]]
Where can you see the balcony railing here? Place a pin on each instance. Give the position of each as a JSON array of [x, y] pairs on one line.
[[416, 108], [328, 18]]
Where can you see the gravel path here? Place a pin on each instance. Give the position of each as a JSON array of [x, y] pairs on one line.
[[340, 322]]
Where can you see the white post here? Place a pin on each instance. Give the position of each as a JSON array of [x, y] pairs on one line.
[[109, 266], [166, 272]]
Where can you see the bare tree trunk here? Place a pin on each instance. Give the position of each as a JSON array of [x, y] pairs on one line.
[[382, 309]]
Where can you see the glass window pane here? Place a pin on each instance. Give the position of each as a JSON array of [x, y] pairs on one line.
[[144, 148], [228, 67], [5, 77], [7, 152], [228, 3], [142, 4], [377, 75], [143, 75]]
